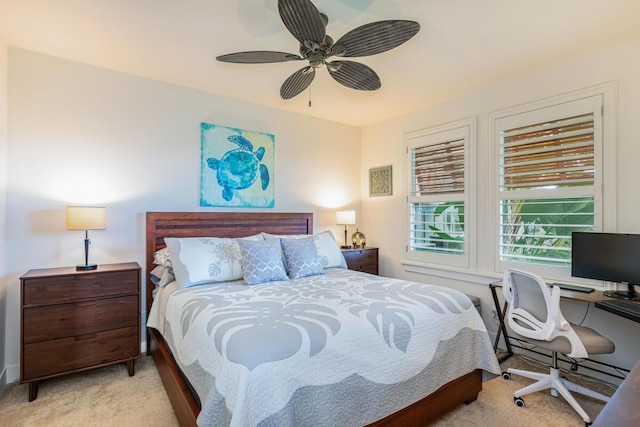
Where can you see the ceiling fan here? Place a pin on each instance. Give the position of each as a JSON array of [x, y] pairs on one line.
[[308, 26]]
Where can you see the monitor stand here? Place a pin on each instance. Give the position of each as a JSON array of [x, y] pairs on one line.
[[629, 294]]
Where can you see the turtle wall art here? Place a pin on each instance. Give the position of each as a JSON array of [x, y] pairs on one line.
[[237, 167]]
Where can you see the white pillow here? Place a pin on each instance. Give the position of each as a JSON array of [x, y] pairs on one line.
[[199, 260], [326, 245]]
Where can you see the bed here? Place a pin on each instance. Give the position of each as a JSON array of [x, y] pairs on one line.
[[421, 407]]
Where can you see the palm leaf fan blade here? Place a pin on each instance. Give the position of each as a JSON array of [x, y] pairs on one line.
[[258, 57], [297, 82], [303, 20], [376, 37], [354, 75]]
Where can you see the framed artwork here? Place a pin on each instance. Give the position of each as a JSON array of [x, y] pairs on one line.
[[236, 167], [381, 181]]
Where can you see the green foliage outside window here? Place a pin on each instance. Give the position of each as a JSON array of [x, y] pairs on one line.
[[448, 239], [539, 230]]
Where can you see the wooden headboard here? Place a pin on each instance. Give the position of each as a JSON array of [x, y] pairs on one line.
[[217, 224]]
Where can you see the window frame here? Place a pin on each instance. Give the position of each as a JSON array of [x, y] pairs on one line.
[[603, 102], [467, 129]]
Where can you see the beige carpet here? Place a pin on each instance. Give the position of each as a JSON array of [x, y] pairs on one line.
[[109, 397], [101, 397], [495, 406]]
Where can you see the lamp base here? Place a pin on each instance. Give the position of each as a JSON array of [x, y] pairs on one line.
[[83, 267]]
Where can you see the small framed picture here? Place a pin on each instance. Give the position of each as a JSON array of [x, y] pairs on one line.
[[381, 181]]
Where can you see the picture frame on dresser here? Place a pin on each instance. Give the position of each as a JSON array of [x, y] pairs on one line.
[[74, 320]]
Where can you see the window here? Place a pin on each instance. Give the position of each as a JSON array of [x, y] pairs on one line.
[[549, 183], [546, 169], [437, 161]]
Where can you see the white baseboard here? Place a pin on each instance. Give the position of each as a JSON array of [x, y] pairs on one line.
[[13, 374]]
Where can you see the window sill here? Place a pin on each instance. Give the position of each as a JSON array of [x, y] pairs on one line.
[[450, 272], [485, 278]]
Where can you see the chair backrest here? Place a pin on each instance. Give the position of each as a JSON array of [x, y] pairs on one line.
[[530, 294], [534, 310]]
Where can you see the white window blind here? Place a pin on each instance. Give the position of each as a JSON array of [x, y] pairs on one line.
[[437, 197], [548, 174]]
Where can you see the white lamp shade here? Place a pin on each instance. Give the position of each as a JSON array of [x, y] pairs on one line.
[[86, 218], [346, 217]]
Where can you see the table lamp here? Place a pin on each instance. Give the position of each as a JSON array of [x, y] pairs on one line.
[[86, 218], [345, 218]]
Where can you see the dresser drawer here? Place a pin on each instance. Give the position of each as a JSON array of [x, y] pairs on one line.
[[72, 319], [47, 290], [369, 268], [362, 256], [65, 354]]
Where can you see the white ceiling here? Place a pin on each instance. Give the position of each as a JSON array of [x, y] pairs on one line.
[[462, 44]]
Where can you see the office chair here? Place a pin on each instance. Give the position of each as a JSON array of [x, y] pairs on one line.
[[534, 314]]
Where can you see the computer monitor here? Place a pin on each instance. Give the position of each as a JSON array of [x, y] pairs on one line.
[[613, 257]]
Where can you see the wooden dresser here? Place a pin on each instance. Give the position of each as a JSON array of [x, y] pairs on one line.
[[362, 259], [72, 321]]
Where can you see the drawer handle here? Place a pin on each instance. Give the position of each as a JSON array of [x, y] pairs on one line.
[[86, 304], [84, 337]]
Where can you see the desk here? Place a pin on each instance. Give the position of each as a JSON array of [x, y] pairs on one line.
[[622, 410], [588, 297]]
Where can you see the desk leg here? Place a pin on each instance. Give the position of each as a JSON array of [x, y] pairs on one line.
[[502, 329]]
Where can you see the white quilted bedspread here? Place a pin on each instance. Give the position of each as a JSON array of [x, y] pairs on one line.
[[343, 348]]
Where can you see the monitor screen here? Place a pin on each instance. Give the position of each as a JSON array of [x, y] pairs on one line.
[[614, 257]]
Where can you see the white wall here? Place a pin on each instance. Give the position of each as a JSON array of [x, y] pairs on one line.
[[3, 206], [82, 134], [382, 143]]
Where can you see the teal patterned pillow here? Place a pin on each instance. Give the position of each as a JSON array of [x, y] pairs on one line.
[[261, 261], [301, 257]]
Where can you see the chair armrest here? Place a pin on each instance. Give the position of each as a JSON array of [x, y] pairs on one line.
[[558, 320]]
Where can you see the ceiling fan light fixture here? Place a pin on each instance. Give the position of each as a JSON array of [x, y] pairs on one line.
[[316, 62]]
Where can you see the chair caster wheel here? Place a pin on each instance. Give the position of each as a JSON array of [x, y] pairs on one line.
[[518, 401], [506, 375]]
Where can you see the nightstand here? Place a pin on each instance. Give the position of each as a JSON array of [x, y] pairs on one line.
[[72, 321], [362, 259]]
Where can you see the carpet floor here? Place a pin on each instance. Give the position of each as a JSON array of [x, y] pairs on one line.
[[109, 397]]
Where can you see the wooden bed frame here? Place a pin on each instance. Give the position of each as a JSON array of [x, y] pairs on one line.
[[464, 389]]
